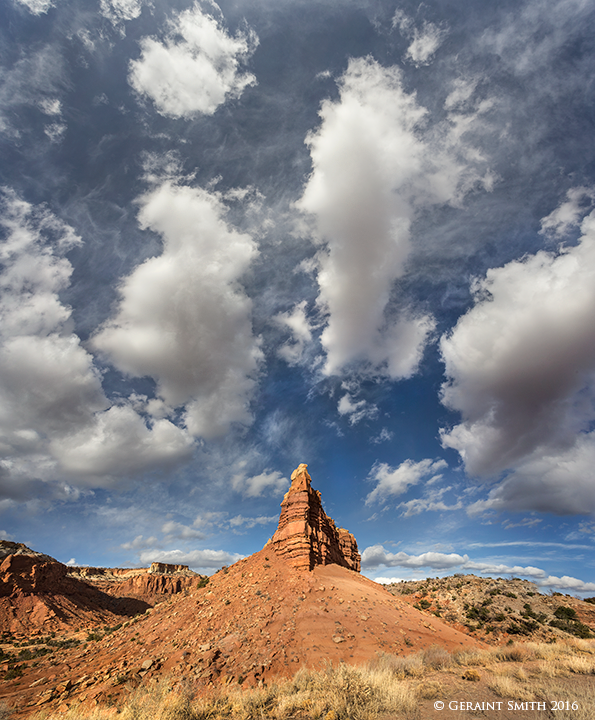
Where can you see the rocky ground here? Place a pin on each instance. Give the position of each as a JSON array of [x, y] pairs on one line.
[[253, 622]]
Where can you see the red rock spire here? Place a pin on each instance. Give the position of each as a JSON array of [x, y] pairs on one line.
[[306, 536]]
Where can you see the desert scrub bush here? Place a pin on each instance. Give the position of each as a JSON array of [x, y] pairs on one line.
[[13, 672], [49, 640], [578, 645], [398, 666], [565, 613], [471, 657], [580, 665], [551, 667], [429, 690], [573, 627], [516, 671], [521, 626], [335, 693], [518, 652], [249, 705]]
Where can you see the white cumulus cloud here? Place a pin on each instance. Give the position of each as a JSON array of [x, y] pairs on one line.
[[569, 213], [119, 10], [250, 522], [374, 166], [257, 485], [521, 368], [431, 502], [425, 40], [55, 421], [376, 556], [183, 317], [296, 321], [195, 68], [183, 532]]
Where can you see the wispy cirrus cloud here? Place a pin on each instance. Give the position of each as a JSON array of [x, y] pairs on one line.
[[37, 7], [395, 481], [425, 38]]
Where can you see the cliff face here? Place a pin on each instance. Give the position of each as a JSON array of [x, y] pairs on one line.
[[306, 536], [38, 593], [31, 574]]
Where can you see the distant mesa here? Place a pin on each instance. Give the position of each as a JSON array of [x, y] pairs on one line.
[[167, 569], [306, 536]]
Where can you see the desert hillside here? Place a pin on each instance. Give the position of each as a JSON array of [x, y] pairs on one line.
[[88, 637], [497, 610]]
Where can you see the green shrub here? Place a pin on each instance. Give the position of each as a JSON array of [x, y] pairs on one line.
[[13, 672], [573, 627], [522, 627], [565, 613]]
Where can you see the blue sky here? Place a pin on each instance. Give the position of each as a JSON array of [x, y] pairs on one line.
[[357, 234]]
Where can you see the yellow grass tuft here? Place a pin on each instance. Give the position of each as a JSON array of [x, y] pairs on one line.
[[507, 687]]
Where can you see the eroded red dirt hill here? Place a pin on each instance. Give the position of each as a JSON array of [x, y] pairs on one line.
[[264, 617]]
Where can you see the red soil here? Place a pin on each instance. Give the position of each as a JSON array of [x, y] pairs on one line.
[[255, 621]]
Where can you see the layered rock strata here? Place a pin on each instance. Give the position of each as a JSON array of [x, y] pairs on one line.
[[306, 536], [38, 593], [166, 569]]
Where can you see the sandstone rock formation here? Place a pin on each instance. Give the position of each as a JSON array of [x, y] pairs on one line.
[[306, 536], [167, 569], [38, 593], [11, 548]]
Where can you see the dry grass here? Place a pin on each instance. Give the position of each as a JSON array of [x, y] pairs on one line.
[[583, 697], [390, 686], [508, 687]]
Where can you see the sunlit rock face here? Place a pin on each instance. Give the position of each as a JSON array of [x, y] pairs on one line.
[[306, 536]]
